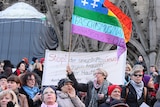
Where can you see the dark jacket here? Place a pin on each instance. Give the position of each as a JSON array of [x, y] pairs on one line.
[[30, 101], [106, 103], [85, 88], [131, 96], [152, 96]]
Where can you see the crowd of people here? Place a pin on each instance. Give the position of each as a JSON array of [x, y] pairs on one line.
[[22, 87]]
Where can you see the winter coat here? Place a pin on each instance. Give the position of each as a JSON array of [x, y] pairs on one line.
[[87, 88], [152, 96], [64, 100], [22, 100], [131, 96], [30, 101]]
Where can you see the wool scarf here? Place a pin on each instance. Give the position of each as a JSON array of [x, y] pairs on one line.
[[138, 87], [54, 105], [102, 89], [31, 91]]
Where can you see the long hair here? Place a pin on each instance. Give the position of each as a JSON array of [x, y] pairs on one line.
[[13, 95]]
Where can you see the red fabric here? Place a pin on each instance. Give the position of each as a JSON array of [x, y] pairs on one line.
[[156, 86], [123, 18], [18, 72]]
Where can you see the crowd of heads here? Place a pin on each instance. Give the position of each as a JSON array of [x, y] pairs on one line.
[[28, 75]]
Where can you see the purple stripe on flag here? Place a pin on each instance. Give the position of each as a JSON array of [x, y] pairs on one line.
[[107, 38]]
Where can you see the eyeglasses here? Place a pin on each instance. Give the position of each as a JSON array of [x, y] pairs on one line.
[[138, 75], [31, 79], [98, 73]]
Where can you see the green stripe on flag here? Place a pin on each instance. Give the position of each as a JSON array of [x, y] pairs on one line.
[[96, 16]]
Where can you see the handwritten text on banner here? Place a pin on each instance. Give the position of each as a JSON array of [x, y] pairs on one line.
[[83, 66]]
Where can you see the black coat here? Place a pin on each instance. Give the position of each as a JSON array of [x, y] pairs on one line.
[[131, 96]]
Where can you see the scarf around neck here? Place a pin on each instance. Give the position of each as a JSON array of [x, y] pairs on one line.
[[102, 89], [138, 88], [31, 91], [54, 105]]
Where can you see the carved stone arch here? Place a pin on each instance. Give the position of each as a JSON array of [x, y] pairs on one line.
[[141, 50]]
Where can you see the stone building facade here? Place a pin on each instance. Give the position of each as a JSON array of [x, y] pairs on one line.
[[145, 35]]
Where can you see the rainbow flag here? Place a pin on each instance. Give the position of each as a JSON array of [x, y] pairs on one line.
[[123, 18], [92, 20]]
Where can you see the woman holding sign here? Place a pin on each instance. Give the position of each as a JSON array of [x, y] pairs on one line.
[[96, 89]]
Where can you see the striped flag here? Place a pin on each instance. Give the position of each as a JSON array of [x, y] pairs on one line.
[[123, 18], [92, 20]]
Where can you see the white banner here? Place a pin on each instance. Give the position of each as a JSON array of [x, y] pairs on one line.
[[83, 66]]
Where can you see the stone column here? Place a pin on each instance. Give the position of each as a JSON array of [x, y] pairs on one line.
[[67, 24], [152, 32]]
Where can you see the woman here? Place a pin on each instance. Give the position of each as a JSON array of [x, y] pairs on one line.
[[114, 93], [96, 89], [21, 68], [127, 73], [3, 82], [134, 92], [30, 89], [8, 99], [149, 83], [49, 97], [66, 95], [14, 84]]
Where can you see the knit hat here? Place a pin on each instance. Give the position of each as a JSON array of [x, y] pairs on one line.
[[112, 87], [146, 79], [63, 81], [118, 103]]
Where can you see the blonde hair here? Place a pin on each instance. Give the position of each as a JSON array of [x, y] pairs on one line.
[[37, 66], [14, 97], [129, 67]]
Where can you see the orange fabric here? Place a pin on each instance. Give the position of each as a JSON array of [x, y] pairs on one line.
[[123, 18]]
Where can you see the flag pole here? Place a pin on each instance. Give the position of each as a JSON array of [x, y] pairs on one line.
[[70, 47], [70, 36]]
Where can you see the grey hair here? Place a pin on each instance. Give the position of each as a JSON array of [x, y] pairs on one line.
[[137, 68], [105, 73]]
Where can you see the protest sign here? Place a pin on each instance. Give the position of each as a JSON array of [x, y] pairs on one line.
[[83, 65]]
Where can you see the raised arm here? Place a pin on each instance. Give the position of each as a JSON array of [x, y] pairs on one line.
[[78, 86]]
